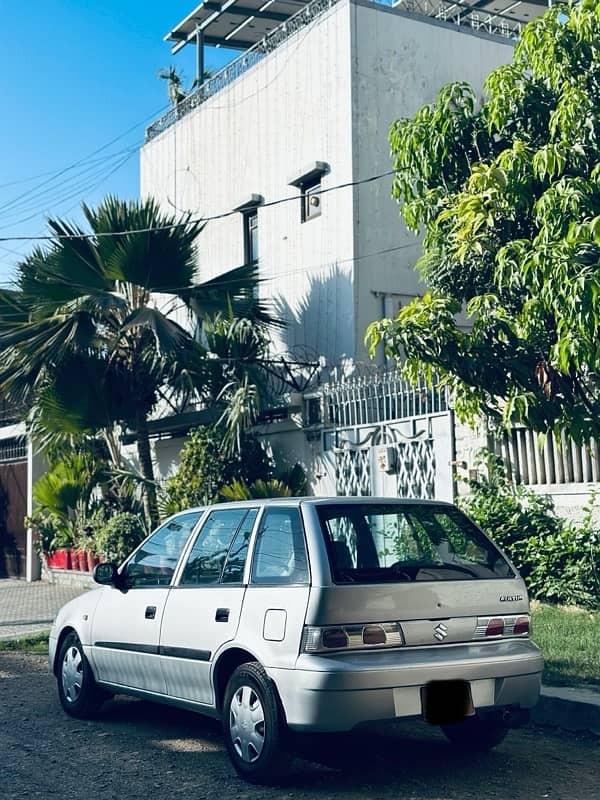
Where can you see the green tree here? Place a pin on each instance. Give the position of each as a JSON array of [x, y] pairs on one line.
[[206, 466], [88, 338], [508, 197]]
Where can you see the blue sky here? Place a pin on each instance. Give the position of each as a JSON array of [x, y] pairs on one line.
[[74, 75]]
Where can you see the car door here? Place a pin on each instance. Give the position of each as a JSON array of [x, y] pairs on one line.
[[277, 596], [126, 624], [203, 609]]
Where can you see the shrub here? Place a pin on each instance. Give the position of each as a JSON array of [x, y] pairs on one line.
[[560, 561], [206, 467], [291, 483], [117, 537]]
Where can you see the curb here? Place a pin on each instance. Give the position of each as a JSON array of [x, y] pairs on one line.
[[574, 709]]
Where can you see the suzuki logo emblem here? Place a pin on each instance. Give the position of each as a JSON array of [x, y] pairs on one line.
[[440, 632]]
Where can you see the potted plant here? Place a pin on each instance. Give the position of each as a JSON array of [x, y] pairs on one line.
[[53, 539]]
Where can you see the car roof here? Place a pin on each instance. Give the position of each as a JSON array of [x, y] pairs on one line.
[[323, 501]]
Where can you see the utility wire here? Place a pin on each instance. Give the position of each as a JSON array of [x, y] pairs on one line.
[[76, 189], [215, 283], [192, 220]]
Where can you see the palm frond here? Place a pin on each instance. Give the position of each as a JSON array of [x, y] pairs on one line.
[[160, 257], [233, 293], [241, 411]]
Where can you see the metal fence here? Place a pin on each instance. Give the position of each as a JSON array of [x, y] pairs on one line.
[[496, 24], [14, 449], [534, 460], [378, 397]]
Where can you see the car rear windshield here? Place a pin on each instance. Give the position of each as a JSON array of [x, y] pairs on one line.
[[397, 543]]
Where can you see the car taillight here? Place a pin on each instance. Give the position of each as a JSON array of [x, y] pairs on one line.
[[351, 637], [504, 626], [495, 627], [521, 626]]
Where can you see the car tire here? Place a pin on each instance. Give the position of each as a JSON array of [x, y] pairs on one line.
[[476, 733], [78, 692], [254, 726]]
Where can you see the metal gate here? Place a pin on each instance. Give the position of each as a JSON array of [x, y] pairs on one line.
[[13, 507], [387, 438]]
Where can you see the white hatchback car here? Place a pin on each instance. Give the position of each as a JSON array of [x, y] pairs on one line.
[[311, 615]]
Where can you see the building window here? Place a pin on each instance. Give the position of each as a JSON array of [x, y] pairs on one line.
[[309, 183], [251, 236], [311, 199], [249, 211]]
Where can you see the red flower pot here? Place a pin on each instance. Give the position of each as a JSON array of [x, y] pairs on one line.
[[60, 559], [78, 560], [91, 560]]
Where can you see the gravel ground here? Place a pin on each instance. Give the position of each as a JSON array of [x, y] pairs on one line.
[[142, 750]]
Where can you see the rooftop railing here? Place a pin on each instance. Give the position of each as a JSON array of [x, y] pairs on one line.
[[462, 15], [238, 66], [445, 10]]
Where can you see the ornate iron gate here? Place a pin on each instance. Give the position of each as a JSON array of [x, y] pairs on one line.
[[388, 438]]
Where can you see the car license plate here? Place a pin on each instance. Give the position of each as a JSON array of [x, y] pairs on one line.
[[446, 702]]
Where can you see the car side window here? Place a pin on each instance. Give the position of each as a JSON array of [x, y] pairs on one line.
[[280, 552], [211, 548], [233, 571], [155, 561]]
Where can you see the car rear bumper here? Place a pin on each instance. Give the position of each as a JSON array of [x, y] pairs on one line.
[[337, 693]]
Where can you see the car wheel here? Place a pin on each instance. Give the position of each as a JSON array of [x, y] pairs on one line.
[[253, 725], [77, 689], [476, 733]]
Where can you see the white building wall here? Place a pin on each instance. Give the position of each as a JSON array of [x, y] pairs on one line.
[[253, 137], [330, 93], [399, 63]]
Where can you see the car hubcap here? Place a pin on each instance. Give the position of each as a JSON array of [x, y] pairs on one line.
[[72, 674], [247, 724]]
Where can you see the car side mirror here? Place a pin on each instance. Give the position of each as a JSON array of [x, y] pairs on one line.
[[106, 574]]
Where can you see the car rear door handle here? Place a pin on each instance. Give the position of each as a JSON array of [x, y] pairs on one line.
[[222, 615], [150, 612]]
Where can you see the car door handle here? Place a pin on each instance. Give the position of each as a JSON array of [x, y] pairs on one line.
[[222, 615], [150, 612]]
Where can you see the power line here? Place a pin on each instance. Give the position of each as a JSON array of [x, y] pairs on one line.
[[291, 271], [78, 187], [88, 159], [192, 220], [149, 118]]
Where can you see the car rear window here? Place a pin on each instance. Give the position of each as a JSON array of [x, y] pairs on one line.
[[391, 544]]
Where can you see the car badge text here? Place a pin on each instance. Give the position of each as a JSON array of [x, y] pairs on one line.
[[510, 598]]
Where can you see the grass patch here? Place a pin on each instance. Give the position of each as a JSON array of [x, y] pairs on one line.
[[38, 643], [569, 638]]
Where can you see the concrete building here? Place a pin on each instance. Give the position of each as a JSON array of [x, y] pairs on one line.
[[308, 109], [286, 152]]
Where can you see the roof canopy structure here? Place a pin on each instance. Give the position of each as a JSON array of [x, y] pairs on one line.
[[257, 27], [235, 24], [477, 14]]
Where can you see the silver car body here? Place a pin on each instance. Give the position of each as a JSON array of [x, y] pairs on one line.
[[178, 644]]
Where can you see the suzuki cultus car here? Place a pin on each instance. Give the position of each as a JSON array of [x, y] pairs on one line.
[[308, 614]]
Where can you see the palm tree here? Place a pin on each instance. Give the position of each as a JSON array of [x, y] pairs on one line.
[[88, 336], [175, 88]]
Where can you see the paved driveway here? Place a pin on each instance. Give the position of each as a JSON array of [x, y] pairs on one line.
[[27, 608], [140, 750]]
